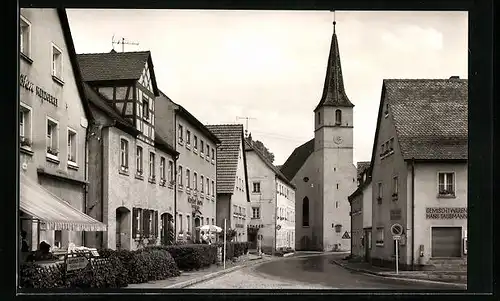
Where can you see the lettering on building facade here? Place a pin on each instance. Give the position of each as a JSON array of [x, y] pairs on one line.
[[395, 214], [446, 213], [41, 93]]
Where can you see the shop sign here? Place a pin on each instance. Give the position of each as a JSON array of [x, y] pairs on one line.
[[395, 214], [76, 263], [195, 201], [41, 93], [446, 213]]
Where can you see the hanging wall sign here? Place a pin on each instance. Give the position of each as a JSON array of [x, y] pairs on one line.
[[41, 93]]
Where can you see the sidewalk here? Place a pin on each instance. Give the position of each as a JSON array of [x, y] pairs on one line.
[[188, 278], [444, 277]]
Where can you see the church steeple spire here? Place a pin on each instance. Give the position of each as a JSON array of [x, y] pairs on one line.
[[333, 91]]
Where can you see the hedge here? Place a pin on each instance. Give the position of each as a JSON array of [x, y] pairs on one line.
[[107, 273], [191, 256]]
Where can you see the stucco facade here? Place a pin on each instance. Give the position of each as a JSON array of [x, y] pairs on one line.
[[196, 205], [239, 200], [285, 215], [52, 118]]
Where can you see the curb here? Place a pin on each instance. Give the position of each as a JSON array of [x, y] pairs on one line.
[[210, 276], [404, 279]]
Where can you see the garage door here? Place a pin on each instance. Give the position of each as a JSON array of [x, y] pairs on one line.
[[446, 242]]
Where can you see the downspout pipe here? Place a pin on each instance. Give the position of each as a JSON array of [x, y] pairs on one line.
[[275, 215], [413, 214], [105, 126], [85, 177], [175, 178]]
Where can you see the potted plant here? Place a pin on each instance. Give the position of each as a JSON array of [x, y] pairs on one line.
[[25, 141], [53, 151]]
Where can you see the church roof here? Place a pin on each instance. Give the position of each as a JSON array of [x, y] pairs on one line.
[[231, 136], [249, 147], [333, 90], [297, 159], [115, 66], [430, 117]]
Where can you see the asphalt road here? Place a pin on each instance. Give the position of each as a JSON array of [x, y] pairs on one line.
[[314, 272]]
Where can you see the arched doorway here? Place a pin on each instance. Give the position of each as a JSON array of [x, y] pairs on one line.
[[197, 223], [252, 233], [123, 226], [167, 229]]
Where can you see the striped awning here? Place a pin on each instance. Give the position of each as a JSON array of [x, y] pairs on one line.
[[53, 212]]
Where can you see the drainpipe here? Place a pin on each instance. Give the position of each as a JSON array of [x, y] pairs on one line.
[[85, 177], [413, 214], [175, 178], [275, 215], [105, 126]]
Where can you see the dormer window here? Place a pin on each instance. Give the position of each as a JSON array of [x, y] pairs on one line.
[[319, 117], [386, 112], [145, 107], [338, 117]]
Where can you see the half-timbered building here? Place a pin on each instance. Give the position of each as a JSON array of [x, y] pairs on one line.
[[129, 161]]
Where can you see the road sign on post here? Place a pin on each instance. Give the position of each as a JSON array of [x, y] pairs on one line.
[[397, 229]]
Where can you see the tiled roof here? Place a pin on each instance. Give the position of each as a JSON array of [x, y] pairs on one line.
[[279, 174], [231, 136], [112, 65], [333, 90], [430, 117], [297, 159], [362, 166]]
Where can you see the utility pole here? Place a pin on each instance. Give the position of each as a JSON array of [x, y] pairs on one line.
[[121, 41], [246, 123]]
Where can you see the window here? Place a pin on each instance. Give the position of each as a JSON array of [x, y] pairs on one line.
[[201, 146], [57, 62], [338, 117], [213, 154], [208, 150], [391, 144], [180, 131], [195, 181], [235, 209], [57, 239], [305, 212], [145, 107], [188, 178], [52, 138], [123, 154], [208, 186], [380, 236], [180, 176], [188, 219], [195, 142], [208, 221], [213, 188], [319, 117], [446, 183], [256, 187], [152, 174], [213, 221], [337, 204], [25, 125], [202, 184], [72, 143], [139, 160], [188, 137], [170, 171], [380, 192], [25, 36], [181, 223], [395, 187], [162, 169]]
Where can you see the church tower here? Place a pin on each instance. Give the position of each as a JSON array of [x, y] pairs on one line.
[[333, 149]]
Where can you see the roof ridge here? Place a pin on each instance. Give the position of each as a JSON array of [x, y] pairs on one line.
[[425, 79], [114, 53], [226, 124]]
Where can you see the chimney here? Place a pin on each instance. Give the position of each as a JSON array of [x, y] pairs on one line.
[[454, 77], [249, 138]]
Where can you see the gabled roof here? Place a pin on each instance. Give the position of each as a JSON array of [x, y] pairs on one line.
[[297, 159], [116, 66], [430, 117], [96, 100], [333, 90], [63, 18], [192, 120], [362, 166], [231, 137], [249, 147]]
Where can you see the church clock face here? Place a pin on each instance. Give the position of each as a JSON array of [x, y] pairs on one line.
[[338, 140]]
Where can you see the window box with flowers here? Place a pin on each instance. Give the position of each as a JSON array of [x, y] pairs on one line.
[[446, 193], [163, 182], [52, 151], [379, 200], [171, 184], [394, 196], [25, 142], [152, 179], [139, 175]]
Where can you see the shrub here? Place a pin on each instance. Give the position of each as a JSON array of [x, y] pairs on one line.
[[192, 256], [33, 275]]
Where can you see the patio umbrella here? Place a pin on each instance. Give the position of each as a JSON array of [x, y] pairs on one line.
[[210, 228]]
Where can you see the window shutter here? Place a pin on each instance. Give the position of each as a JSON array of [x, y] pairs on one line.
[[156, 223], [141, 222], [145, 222], [134, 222]]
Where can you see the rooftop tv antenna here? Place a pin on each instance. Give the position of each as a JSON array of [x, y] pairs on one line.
[[121, 41], [246, 123]]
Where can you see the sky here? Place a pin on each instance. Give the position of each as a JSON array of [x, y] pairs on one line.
[[270, 66]]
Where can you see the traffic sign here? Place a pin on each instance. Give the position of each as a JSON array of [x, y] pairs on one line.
[[346, 235], [396, 237], [397, 229]]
